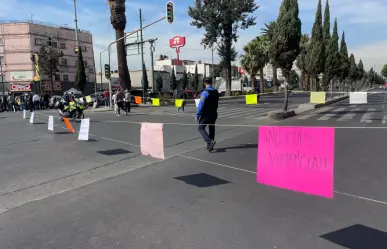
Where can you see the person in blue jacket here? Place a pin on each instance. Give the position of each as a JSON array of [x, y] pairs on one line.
[[207, 113]]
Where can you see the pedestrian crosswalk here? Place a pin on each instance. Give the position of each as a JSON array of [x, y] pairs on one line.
[[356, 113], [256, 112]]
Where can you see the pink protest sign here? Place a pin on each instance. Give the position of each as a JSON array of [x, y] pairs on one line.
[[152, 140], [297, 158]]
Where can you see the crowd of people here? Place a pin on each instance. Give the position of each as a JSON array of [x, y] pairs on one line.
[[27, 101]]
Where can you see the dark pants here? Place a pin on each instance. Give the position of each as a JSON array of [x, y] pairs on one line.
[[127, 106], [120, 105], [31, 106], [203, 122]]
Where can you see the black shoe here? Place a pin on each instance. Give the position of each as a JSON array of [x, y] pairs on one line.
[[210, 145]]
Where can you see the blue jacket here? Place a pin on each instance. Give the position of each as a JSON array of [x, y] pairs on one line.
[[203, 97]]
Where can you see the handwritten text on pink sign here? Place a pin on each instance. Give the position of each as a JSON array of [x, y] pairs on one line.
[[297, 158]]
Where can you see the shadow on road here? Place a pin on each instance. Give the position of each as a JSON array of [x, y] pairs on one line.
[[358, 237], [237, 147], [202, 180], [114, 152]]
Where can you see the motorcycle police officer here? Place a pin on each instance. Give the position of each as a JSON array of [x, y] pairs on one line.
[[207, 113]]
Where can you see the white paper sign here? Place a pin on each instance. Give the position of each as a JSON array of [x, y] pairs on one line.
[[84, 130], [197, 101], [51, 123], [358, 98], [32, 117], [24, 114]]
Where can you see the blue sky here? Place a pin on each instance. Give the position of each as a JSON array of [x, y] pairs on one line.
[[364, 22]]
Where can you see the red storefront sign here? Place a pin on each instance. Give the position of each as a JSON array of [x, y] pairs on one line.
[[57, 86], [19, 87]]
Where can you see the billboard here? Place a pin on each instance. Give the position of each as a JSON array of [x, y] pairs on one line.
[[21, 76]]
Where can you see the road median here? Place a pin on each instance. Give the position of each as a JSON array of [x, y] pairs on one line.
[[281, 115]]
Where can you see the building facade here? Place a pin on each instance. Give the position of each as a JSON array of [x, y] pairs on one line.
[[20, 40]]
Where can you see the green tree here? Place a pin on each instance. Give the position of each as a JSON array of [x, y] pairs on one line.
[[184, 81], [352, 74], [250, 60], [80, 76], [173, 82], [118, 21], [327, 23], [286, 40], [49, 62], [245, 80], [268, 32], [379, 80], [221, 20], [159, 83], [294, 79], [195, 80], [144, 79], [332, 62], [301, 60], [344, 61], [384, 71], [360, 70], [371, 77], [315, 59]]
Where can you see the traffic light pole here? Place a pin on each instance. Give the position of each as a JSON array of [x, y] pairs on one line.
[[131, 33], [142, 61]]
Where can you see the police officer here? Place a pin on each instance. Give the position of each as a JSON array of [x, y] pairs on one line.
[[207, 113]]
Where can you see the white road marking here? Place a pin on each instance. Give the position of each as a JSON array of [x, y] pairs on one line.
[[349, 116], [252, 172], [330, 115], [367, 118], [322, 110]]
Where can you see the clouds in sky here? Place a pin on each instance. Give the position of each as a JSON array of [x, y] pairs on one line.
[[363, 21]]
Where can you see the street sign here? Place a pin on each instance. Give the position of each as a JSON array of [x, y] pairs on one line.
[[177, 41]]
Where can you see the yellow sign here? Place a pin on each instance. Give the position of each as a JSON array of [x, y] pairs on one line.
[[88, 99], [179, 102], [36, 66], [317, 97], [156, 102], [252, 99]]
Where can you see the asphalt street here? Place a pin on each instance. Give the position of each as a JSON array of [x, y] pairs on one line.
[[57, 192]]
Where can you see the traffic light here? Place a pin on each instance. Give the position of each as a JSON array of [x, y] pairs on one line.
[[107, 71], [170, 17]]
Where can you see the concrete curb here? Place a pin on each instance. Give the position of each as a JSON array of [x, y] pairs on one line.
[[281, 115]]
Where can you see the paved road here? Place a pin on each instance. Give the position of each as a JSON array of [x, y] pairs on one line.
[[194, 199], [235, 109], [343, 113]]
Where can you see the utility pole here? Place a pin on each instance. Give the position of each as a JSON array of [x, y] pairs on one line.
[[76, 24], [2, 76], [142, 59], [152, 49]]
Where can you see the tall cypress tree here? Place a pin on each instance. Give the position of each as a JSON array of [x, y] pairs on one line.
[[344, 61], [315, 60], [286, 40], [327, 23], [80, 76], [360, 73], [352, 74], [332, 62]]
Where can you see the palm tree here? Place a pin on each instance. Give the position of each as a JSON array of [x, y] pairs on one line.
[[268, 33], [118, 21], [301, 61], [254, 60]]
